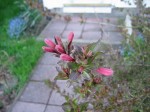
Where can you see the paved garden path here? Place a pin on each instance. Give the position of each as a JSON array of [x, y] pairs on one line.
[[87, 32], [37, 96]]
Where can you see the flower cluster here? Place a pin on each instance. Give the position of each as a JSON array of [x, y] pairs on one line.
[[58, 48], [77, 60], [16, 27]]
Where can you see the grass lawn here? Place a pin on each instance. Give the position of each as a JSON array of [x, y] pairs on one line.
[[24, 51]]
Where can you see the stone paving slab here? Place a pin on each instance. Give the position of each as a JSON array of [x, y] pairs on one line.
[[112, 37], [91, 27], [36, 92], [56, 99], [75, 19], [57, 25], [28, 107], [50, 33], [91, 20], [49, 59], [110, 28], [44, 72], [111, 20], [77, 34], [64, 85], [91, 35], [54, 109], [74, 26]]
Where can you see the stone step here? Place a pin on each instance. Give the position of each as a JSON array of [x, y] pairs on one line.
[[87, 10]]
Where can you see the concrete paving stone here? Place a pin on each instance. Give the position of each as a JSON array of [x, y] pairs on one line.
[[110, 28], [111, 20], [91, 35], [28, 107], [94, 20], [57, 25], [64, 85], [74, 26], [54, 109], [44, 72], [112, 37], [46, 33], [56, 98], [49, 59], [75, 19], [77, 34], [37, 92], [91, 27]]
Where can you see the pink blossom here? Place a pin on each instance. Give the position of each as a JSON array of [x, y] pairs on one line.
[[70, 37], [48, 49], [58, 41], [50, 43], [105, 71], [66, 57], [60, 49]]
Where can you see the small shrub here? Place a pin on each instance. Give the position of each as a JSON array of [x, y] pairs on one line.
[[16, 27]]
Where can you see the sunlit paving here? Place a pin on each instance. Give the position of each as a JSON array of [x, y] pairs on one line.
[[74, 56]]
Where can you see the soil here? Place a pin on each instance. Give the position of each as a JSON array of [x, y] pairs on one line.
[[7, 93]]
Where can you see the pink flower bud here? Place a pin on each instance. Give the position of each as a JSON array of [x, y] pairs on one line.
[[97, 80], [58, 41], [81, 68], [60, 49], [83, 50], [66, 57], [48, 49], [70, 37], [66, 70], [105, 71], [50, 43]]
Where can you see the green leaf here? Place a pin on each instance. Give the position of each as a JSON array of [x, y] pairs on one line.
[[73, 66], [75, 104], [66, 107], [90, 60], [35, 20], [61, 76], [67, 98], [93, 45], [86, 75], [83, 106]]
